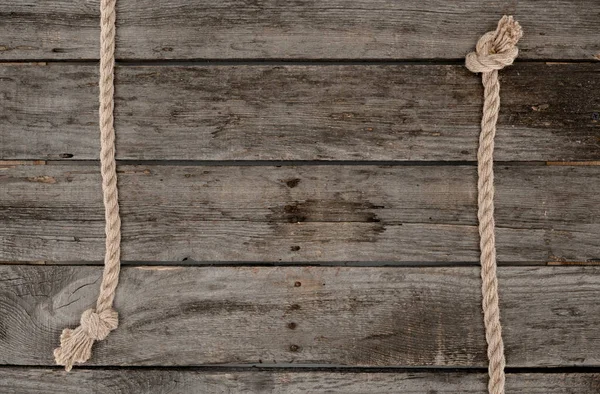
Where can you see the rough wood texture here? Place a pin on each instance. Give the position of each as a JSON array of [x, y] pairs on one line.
[[369, 214], [355, 316], [353, 112], [293, 214], [52, 381], [265, 29]]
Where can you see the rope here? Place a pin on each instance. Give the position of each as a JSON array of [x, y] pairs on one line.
[[96, 324], [494, 51]]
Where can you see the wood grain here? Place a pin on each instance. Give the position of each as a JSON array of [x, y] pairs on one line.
[[272, 29], [253, 107], [355, 316], [393, 214], [92, 381], [352, 112]]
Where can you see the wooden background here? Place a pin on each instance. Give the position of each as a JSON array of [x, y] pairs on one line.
[[298, 191]]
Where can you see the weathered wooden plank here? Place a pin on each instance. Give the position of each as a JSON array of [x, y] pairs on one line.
[[355, 316], [380, 112], [49, 381], [322, 213], [266, 29]]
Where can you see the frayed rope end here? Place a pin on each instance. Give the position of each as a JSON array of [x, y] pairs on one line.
[[508, 33], [75, 347], [76, 344]]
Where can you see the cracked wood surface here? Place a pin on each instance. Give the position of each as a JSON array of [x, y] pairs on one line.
[[294, 214], [549, 112], [353, 316], [304, 29]]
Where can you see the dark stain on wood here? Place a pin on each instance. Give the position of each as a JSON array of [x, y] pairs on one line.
[[311, 210], [563, 109], [364, 213], [292, 183]]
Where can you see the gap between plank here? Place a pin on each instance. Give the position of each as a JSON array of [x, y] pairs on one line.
[[315, 368], [265, 163], [573, 163], [188, 263], [293, 163], [276, 62]]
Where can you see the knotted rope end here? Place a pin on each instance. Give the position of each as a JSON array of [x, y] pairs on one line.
[[76, 344], [496, 49]]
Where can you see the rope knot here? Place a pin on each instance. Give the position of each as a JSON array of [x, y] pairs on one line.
[[98, 325], [76, 344], [496, 49]]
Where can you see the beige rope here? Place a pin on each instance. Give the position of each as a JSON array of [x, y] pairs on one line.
[[495, 50], [96, 324]]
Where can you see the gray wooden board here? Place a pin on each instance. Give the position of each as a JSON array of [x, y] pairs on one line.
[[331, 316], [305, 112], [93, 381], [355, 316], [310, 213], [267, 29]]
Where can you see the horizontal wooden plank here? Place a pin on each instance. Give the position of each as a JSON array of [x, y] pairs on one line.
[[351, 112], [324, 213], [266, 29], [355, 316], [52, 381]]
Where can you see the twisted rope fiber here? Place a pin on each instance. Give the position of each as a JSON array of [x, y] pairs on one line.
[[96, 324], [494, 51]]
